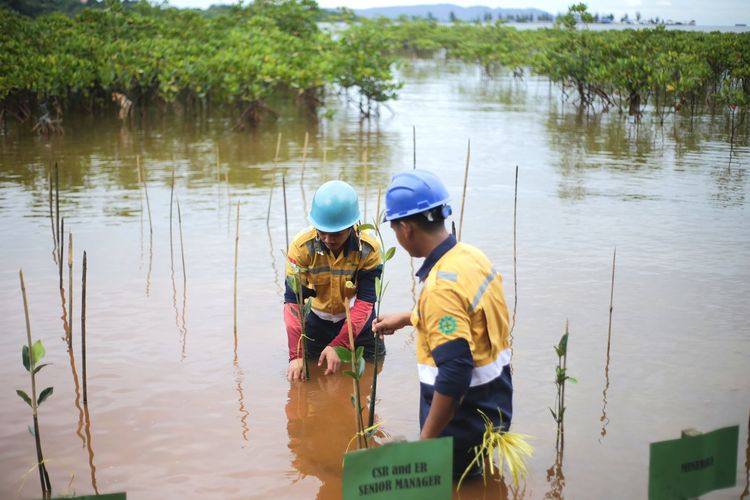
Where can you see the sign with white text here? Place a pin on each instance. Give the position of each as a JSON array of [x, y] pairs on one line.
[[420, 470]]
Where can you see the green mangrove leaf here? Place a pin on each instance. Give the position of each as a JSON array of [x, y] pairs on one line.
[[31, 430], [351, 374], [25, 357], [44, 395], [554, 415], [365, 227], [344, 354], [40, 367], [389, 254], [378, 285], [24, 396], [360, 367], [359, 352], [563, 346], [37, 352], [307, 307], [572, 380]]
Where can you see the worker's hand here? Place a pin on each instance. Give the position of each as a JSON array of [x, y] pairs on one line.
[[331, 358], [296, 368], [388, 324]]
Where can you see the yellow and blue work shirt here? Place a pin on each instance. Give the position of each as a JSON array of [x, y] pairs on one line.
[[463, 351], [324, 275]]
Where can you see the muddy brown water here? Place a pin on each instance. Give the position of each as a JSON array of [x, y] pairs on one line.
[[180, 408]]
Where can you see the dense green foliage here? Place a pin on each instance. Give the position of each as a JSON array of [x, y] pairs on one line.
[[159, 55], [609, 68]]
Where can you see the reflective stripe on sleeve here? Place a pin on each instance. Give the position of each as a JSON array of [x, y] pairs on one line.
[[479, 375], [483, 288]]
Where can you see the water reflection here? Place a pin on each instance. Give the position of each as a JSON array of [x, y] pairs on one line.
[[604, 419], [321, 425], [89, 446]]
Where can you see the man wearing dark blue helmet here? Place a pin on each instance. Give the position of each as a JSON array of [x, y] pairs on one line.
[[461, 320]]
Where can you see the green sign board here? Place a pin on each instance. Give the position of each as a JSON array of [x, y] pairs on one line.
[[420, 470], [691, 466]]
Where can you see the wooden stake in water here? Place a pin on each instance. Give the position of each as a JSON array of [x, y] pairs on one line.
[[364, 161], [62, 251], [142, 170], [611, 299], [236, 257], [463, 197], [52, 215], [83, 330], [515, 279], [286, 220], [57, 207], [361, 436], [414, 145], [70, 289], [171, 200], [43, 476], [304, 160]]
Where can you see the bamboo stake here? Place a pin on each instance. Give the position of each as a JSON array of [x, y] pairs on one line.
[[70, 288], [43, 476], [62, 251], [52, 215], [57, 208], [364, 161], [236, 256], [83, 330], [463, 197], [414, 145], [304, 159], [182, 246], [171, 199], [515, 261], [286, 221], [145, 191], [611, 299]]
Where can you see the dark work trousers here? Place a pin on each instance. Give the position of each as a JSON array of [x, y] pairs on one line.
[[321, 332]]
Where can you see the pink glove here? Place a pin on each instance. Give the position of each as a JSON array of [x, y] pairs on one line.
[[293, 330]]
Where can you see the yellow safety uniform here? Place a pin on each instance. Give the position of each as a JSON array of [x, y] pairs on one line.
[[462, 327]]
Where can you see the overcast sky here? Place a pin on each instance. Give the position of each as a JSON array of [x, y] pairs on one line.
[[704, 12]]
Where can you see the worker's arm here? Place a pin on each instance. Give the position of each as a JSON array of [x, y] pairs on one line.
[[441, 413], [390, 323]]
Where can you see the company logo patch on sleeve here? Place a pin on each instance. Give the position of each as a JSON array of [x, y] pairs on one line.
[[447, 325]]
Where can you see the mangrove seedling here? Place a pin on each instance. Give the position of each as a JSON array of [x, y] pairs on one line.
[[499, 449], [354, 356], [304, 305], [31, 355], [561, 376], [385, 256]]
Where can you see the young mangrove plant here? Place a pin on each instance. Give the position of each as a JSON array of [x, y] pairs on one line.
[[304, 305], [354, 356], [32, 354], [561, 376], [499, 449], [380, 287]]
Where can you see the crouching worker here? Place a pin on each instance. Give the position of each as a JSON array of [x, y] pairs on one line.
[[324, 258], [461, 320]]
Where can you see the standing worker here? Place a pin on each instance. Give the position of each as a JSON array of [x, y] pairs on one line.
[[325, 257], [461, 320]]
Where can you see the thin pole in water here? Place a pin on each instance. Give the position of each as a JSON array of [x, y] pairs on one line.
[[62, 250], [236, 256], [463, 197], [83, 330], [286, 220], [515, 279], [414, 145], [70, 286]]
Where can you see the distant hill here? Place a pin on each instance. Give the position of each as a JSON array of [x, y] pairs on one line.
[[445, 12]]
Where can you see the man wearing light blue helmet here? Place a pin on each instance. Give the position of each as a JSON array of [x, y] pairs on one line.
[[461, 319], [325, 257]]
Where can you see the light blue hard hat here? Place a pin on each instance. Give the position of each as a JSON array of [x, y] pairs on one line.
[[334, 207], [414, 192]]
